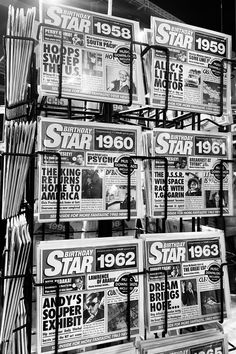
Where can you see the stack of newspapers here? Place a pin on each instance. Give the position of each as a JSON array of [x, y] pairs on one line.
[[208, 341], [17, 250], [126, 348], [19, 140]]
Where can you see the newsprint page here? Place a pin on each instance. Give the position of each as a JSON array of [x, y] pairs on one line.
[[94, 170], [92, 279], [192, 262], [95, 54]]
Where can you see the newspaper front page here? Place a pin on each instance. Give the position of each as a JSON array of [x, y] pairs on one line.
[[95, 53], [92, 280], [192, 262], [196, 164], [194, 67], [94, 170]]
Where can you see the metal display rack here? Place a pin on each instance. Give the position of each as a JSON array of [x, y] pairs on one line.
[[106, 114]]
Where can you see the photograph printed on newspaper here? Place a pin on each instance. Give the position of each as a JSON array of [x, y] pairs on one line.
[[94, 170], [192, 261], [92, 280], [195, 56], [95, 52], [200, 174]]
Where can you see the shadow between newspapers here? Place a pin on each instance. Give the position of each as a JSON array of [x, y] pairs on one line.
[[129, 165], [31, 156], [145, 272]]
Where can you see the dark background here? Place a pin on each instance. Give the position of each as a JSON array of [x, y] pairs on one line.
[[218, 15]]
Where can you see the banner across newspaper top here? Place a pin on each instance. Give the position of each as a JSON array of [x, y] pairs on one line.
[[192, 262], [195, 66], [94, 170], [92, 279], [199, 166], [92, 52]]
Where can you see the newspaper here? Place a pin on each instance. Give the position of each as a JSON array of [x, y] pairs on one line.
[[192, 261], [19, 142], [207, 341], [20, 340], [94, 170], [96, 55], [125, 348], [92, 280], [194, 68], [195, 162], [17, 250]]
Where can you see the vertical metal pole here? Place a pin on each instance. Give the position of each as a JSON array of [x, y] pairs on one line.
[[221, 189], [166, 189], [69, 108], [222, 219], [43, 232], [166, 305], [2, 167], [28, 295], [193, 224], [131, 75], [105, 226], [221, 16], [128, 307], [60, 67], [180, 224], [58, 187], [222, 300], [128, 189], [157, 118], [193, 128], [67, 230], [235, 17], [109, 10], [57, 300]]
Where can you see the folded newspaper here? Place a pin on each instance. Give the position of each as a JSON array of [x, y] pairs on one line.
[[17, 251]]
